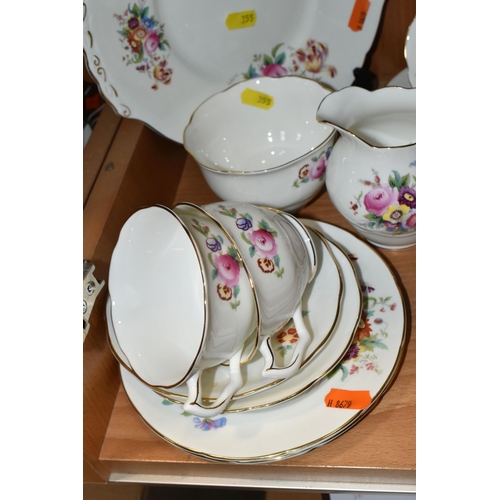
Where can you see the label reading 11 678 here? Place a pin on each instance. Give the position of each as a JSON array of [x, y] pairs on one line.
[[255, 98], [341, 398]]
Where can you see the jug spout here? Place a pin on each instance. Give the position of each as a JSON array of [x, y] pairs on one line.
[[383, 118]]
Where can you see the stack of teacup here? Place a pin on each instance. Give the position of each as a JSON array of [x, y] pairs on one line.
[[195, 287]]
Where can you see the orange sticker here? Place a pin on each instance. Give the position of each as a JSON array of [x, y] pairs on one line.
[[354, 400], [358, 15]]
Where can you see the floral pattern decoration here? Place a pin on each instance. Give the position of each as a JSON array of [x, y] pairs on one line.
[[142, 37], [391, 206], [287, 338], [315, 171], [309, 61], [369, 336], [205, 424], [261, 240], [226, 266]]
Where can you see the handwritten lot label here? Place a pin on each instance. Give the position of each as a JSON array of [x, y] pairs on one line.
[[353, 400], [237, 20], [256, 98], [358, 15]]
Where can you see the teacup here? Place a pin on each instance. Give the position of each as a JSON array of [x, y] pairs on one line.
[[280, 257], [259, 141], [171, 317]]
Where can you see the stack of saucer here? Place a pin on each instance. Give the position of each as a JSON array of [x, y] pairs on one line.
[[351, 312]]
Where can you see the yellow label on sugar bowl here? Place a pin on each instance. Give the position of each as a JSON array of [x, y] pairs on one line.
[[258, 99], [237, 20]]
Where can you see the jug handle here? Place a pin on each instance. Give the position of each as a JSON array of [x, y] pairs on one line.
[[194, 404], [278, 372]]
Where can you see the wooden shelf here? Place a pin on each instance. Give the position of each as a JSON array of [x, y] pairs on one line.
[[140, 168]]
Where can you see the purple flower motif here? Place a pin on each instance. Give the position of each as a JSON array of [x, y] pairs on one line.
[[328, 151], [213, 244], [243, 223], [351, 353], [408, 196], [206, 424], [392, 227], [133, 22]]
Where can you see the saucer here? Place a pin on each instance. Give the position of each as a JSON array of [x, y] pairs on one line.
[[330, 355], [319, 415], [322, 302]]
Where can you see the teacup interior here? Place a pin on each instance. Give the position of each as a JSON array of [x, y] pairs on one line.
[[158, 297], [226, 133]]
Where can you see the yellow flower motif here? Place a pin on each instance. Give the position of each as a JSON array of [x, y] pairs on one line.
[[395, 213], [290, 336], [314, 56], [224, 292], [140, 33]]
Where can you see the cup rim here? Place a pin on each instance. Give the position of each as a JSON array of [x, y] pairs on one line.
[[256, 331], [256, 172], [203, 337], [313, 258]]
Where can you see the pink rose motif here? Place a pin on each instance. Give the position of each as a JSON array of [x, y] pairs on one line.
[[379, 198], [264, 243], [228, 270], [151, 43], [274, 70], [412, 220], [353, 369], [317, 169]]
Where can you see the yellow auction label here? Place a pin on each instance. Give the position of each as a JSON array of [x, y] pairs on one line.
[[237, 20], [258, 99]]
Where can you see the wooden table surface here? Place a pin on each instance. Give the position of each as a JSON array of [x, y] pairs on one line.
[[379, 453], [137, 167]]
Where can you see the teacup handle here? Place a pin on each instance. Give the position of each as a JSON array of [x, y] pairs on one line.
[[194, 404], [277, 372]]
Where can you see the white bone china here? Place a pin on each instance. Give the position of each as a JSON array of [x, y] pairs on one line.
[[371, 173], [164, 309], [278, 259], [259, 141]]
